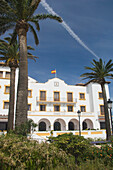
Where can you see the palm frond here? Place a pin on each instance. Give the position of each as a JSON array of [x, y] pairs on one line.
[[34, 34], [100, 71], [30, 48], [36, 23], [33, 6], [45, 16], [30, 56], [13, 37], [6, 27]]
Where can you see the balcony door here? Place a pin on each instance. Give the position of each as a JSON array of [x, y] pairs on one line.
[[56, 96], [69, 97], [43, 95]]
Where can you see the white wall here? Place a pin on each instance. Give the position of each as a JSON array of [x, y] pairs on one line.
[[91, 100]]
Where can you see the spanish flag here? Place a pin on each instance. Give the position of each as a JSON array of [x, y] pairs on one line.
[[53, 71]]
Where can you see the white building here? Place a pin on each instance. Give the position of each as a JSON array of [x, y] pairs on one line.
[[53, 105]]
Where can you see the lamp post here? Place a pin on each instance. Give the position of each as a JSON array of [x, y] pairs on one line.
[[79, 114], [110, 107]]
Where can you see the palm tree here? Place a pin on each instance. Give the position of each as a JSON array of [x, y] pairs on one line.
[[99, 72], [19, 15], [10, 54]]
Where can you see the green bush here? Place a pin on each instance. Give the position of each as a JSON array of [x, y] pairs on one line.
[[77, 146], [97, 164], [104, 153], [25, 128], [17, 152], [20, 153]]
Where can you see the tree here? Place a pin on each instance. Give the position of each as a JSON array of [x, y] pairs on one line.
[[19, 15], [10, 54], [99, 72]]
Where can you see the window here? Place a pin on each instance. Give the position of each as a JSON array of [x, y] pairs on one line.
[[29, 107], [7, 90], [56, 108], [100, 95], [56, 96], [102, 125], [83, 108], [1, 74], [82, 96], [70, 108], [102, 109], [7, 75], [69, 97], [29, 93], [6, 105], [3, 125], [43, 95], [42, 107]]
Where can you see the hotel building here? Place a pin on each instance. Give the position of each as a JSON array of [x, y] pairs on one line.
[[53, 105]]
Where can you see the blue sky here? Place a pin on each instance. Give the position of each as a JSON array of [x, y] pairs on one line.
[[91, 20]]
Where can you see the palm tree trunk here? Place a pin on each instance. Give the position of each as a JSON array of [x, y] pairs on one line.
[[107, 121], [11, 100], [22, 91]]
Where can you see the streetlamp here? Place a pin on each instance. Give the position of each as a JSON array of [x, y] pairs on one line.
[[110, 107], [79, 114]]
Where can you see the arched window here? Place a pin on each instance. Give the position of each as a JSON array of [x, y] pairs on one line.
[[84, 125], [57, 126], [71, 126], [42, 126]]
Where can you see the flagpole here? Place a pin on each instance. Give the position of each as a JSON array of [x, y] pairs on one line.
[[55, 74]]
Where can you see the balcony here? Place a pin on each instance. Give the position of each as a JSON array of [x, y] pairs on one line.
[[61, 101]]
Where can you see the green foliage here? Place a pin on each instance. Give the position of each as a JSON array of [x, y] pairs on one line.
[[25, 128], [77, 146], [17, 152], [104, 153], [13, 13], [99, 71], [10, 52], [20, 153], [96, 164]]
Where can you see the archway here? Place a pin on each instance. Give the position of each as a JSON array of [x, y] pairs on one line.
[[87, 124], [84, 124], [71, 126], [45, 125], [57, 126], [42, 126]]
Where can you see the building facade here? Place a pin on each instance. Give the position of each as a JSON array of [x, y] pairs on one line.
[[53, 105]]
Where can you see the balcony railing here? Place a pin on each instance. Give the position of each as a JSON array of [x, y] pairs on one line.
[[52, 100], [100, 114]]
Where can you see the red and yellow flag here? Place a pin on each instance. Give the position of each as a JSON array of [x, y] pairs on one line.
[[53, 71]]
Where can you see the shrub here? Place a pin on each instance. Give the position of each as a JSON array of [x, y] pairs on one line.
[[96, 164], [20, 153], [104, 153], [25, 128], [77, 146]]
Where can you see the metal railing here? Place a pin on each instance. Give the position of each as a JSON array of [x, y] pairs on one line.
[[51, 99]]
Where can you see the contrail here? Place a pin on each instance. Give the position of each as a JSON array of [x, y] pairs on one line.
[[69, 30]]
